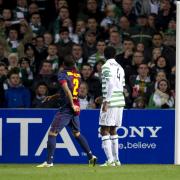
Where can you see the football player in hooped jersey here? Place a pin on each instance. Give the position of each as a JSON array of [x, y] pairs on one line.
[[112, 107], [68, 114]]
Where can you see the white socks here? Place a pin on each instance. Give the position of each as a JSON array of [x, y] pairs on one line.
[[107, 146], [115, 150]]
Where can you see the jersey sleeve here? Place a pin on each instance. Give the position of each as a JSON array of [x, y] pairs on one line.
[[108, 83], [62, 78], [106, 72]]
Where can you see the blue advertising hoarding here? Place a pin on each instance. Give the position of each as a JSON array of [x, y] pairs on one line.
[[146, 136]]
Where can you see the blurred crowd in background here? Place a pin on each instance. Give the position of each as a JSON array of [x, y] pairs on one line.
[[36, 35]]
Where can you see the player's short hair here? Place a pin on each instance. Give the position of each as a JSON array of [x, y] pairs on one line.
[[109, 52], [69, 61]]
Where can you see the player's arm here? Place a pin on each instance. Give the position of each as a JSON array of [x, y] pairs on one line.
[[109, 85], [108, 96], [69, 95], [54, 96]]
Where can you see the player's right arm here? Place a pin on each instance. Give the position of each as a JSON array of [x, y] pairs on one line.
[[69, 96], [107, 74]]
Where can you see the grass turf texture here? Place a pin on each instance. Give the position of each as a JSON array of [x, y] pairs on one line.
[[83, 172]]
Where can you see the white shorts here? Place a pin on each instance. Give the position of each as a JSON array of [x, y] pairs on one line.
[[113, 117]]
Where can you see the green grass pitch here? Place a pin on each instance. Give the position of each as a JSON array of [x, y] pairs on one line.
[[84, 172]]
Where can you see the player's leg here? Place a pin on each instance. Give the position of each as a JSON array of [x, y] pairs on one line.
[[114, 136], [114, 144], [75, 126], [59, 122], [51, 145], [106, 121], [106, 145]]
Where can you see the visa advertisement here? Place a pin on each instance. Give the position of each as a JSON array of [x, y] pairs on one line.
[[146, 137]]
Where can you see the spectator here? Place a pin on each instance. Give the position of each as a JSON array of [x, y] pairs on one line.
[[147, 6], [3, 59], [125, 58], [63, 14], [166, 51], [158, 77], [94, 58], [16, 96], [48, 39], [2, 28], [41, 92], [13, 61], [91, 10], [141, 84], [166, 13], [86, 102], [36, 24], [152, 21], [161, 98], [78, 55], [93, 82], [65, 43], [80, 29], [3, 77], [32, 8], [47, 76], [161, 64], [110, 17], [21, 10], [115, 41], [89, 45], [8, 18], [92, 25], [14, 42], [156, 52], [138, 58], [97, 69], [31, 53], [170, 34], [41, 49], [142, 32], [26, 73], [140, 103], [69, 24], [60, 4], [126, 9], [124, 27], [53, 57]]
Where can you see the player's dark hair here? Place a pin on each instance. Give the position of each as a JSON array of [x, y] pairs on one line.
[[69, 61], [109, 52]]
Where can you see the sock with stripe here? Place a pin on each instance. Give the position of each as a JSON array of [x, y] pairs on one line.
[[115, 149], [106, 145]]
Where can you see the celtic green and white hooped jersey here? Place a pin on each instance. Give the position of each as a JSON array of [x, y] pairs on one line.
[[113, 81]]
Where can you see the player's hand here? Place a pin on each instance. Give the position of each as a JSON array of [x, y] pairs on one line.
[[99, 100], [47, 98], [105, 106], [76, 108]]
